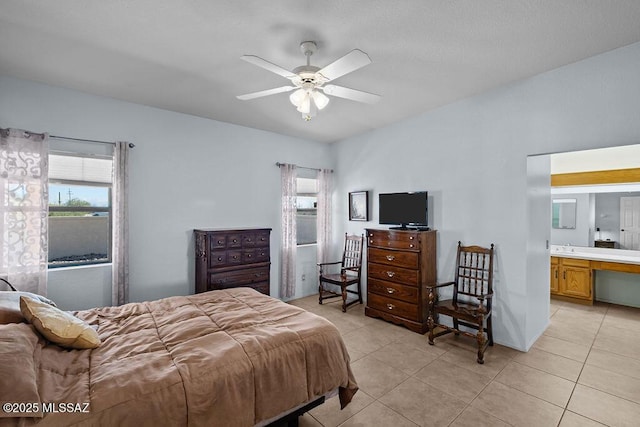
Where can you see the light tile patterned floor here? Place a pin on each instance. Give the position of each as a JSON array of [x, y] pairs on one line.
[[584, 371]]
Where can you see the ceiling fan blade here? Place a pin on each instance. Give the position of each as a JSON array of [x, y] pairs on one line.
[[352, 94], [348, 63], [265, 92], [256, 60]]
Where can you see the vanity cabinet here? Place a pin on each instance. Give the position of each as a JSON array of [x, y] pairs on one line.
[[572, 278], [555, 276]]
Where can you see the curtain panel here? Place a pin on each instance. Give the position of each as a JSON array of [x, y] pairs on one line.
[[324, 214], [120, 246], [288, 246], [24, 196]]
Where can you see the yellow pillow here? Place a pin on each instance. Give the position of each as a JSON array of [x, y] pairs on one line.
[[57, 326]]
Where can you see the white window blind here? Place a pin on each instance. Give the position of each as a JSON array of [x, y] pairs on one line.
[[307, 185], [76, 168]]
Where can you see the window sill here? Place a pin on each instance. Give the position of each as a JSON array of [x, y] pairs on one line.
[[79, 267], [304, 245]]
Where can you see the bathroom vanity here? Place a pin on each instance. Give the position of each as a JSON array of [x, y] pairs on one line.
[[573, 267]]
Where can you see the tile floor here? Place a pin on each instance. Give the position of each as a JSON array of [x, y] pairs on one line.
[[584, 371]]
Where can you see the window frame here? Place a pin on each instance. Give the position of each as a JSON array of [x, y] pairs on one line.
[[88, 209], [307, 194]]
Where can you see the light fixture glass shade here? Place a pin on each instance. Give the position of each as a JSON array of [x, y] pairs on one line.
[[297, 97], [305, 105], [320, 99]]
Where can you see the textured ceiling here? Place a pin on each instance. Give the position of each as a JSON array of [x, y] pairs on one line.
[[184, 55]]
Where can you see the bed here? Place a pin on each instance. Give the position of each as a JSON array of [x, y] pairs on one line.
[[229, 357]]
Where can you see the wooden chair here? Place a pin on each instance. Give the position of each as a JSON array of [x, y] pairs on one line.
[[470, 305], [349, 275]]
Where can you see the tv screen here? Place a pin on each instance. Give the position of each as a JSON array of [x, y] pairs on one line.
[[403, 208]]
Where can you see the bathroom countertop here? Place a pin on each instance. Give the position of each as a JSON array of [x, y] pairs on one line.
[[596, 254]]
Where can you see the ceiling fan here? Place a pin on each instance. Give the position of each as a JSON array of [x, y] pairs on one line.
[[310, 81]]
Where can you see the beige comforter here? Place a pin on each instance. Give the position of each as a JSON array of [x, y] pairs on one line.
[[230, 358]]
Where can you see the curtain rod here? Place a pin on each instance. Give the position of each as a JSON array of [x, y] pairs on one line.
[[131, 145], [278, 164]]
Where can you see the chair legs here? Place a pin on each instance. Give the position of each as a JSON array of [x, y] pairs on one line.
[[483, 336], [324, 294], [490, 331]]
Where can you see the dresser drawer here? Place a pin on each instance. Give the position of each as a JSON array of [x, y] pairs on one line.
[[393, 306], [230, 279], [262, 239], [261, 287], [395, 258], [395, 274], [395, 240], [393, 290], [222, 258], [262, 254]]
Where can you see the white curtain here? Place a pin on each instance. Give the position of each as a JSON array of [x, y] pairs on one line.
[[24, 194], [288, 244], [120, 249], [324, 214]]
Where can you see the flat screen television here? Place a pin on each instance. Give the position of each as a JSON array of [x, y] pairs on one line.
[[404, 209]]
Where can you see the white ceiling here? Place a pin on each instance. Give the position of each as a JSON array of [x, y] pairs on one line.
[[184, 55]]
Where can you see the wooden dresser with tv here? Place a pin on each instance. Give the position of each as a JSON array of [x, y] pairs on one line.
[[400, 264], [230, 258]]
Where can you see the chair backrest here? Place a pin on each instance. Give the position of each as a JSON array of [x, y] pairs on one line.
[[474, 271], [352, 255]]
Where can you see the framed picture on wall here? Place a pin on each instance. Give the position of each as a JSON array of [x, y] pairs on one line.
[[359, 206]]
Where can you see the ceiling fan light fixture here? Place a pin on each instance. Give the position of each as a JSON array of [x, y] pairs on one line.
[[305, 106], [297, 97], [320, 99], [309, 91]]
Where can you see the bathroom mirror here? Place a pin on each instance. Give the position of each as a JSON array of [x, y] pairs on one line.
[[563, 213]]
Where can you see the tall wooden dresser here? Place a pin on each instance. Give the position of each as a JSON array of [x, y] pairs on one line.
[[232, 258], [400, 264]]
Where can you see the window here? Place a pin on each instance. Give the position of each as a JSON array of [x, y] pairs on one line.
[[307, 210], [80, 226]]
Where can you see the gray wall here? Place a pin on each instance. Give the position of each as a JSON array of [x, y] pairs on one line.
[[186, 172], [472, 158]]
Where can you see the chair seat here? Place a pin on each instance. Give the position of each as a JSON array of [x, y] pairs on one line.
[[462, 310], [340, 279]]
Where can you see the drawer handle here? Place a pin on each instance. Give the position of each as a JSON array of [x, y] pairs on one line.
[[249, 256], [219, 258], [235, 257], [262, 239], [390, 273], [259, 274], [261, 253], [220, 242], [410, 246], [390, 291], [235, 241], [411, 238], [370, 241], [390, 257], [391, 306]]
